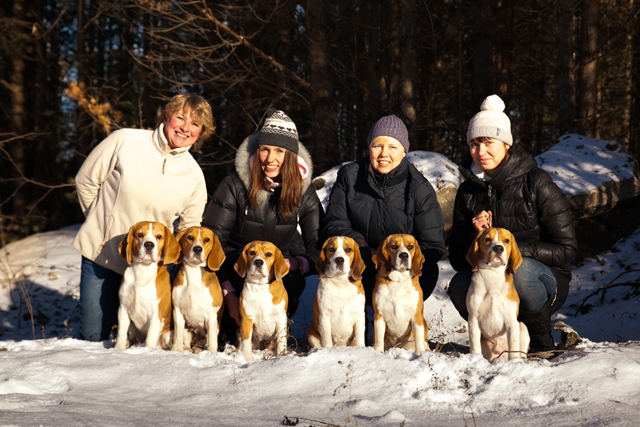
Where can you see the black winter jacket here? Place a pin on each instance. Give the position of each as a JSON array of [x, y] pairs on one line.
[[365, 210], [523, 199], [231, 218]]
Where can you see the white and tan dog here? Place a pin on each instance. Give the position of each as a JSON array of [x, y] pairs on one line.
[[397, 296], [197, 295], [492, 300], [145, 291], [338, 309], [263, 300]]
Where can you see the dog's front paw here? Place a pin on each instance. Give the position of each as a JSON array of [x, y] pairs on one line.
[[121, 345], [177, 347]]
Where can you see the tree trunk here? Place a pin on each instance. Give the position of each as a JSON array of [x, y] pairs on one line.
[[634, 125], [409, 69], [18, 108], [393, 58], [481, 77], [324, 121], [566, 83], [588, 91], [506, 47]]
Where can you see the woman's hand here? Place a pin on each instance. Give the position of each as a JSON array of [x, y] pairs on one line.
[[233, 306], [482, 221], [292, 266]]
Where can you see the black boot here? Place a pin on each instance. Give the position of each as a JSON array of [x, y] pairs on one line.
[[292, 307], [539, 326]]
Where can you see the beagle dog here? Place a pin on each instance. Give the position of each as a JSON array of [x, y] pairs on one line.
[[397, 296], [338, 309], [145, 292], [263, 300], [197, 295], [492, 300]]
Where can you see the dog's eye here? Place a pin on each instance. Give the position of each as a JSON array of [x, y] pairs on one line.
[[331, 250], [252, 253], [159, 237], [507, 241], [207, 240], [487, 239], [139, 235], [348, 250], [268, 254], [410, 247], [190, 238], [394, 247]]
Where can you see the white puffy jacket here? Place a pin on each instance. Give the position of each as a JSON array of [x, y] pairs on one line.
[[131, 177]]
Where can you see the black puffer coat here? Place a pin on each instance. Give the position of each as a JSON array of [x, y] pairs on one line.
[[523, 199], [231, 218], [405, 202]]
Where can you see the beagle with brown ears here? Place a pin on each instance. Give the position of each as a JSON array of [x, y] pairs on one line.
[[197, 295], [145, 292], [492, 300], [263, 300], [338, 309], [397, 296]]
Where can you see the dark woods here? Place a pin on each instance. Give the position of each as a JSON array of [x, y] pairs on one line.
[[74, 70]]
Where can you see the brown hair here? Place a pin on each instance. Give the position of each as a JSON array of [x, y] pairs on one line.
[[194, 105], [291, 192]]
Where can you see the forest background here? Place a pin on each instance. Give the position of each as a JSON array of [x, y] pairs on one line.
[[72, 71]]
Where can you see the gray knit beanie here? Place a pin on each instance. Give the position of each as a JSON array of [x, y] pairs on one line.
[[491, 121], [279, 130], [390, 126]]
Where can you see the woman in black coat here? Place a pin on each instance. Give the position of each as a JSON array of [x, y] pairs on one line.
[[505, 188], [384, 194], [267, 198]]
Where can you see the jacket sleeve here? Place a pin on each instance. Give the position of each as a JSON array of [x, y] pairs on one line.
[[192, 213], [462, 231], [96, 169], [311, 216], [428, 224], [221, 213], [336, 221], [558, 244]]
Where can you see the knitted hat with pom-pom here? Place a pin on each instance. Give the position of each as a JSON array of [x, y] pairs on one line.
[[491, 121], [279, 130]]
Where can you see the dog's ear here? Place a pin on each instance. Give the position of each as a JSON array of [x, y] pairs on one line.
[[125, 245], [171, 250], [381, 259], [320, 262], [417, 261], [473, 254], [515, 257], [179, 239], [280, 268], [358, 265], [241, 264], [216, 256]]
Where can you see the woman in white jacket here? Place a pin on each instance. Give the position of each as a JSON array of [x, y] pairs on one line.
[[136, 175]]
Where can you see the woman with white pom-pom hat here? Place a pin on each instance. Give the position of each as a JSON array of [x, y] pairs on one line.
[[505, 188]]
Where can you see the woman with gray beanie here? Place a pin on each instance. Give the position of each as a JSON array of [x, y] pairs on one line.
[[383, 194], [267, 197], [505, 188]]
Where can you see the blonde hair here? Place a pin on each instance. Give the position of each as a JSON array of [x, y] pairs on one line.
[[291, 193], [195, 106]]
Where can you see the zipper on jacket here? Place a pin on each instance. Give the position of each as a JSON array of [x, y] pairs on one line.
[[163, 165]]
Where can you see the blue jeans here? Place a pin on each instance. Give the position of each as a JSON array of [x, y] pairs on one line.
[[533, 280], [99, 301]]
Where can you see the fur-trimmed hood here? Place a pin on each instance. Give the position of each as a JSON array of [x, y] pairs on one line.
[[248, 148]]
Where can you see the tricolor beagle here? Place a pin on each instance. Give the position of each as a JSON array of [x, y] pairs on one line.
[[492, 300], [338, 309], [197, 295], [145, 291], [397, 296], [263, 300]]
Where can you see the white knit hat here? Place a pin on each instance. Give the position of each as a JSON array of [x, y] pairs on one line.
[[491, 121]]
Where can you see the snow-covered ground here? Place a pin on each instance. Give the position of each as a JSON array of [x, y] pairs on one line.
[[56, 379]]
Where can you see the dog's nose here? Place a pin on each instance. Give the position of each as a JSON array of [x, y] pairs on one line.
[[197, 250], [404, 256], [258, 262], [498, 249], [339, 260], [149, 246]]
